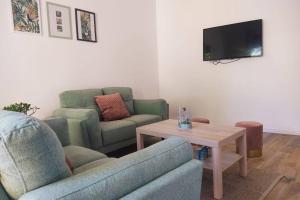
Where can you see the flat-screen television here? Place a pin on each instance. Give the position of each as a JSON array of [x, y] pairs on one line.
[[233, 41]]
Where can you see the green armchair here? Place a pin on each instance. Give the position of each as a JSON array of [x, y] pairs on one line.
[[89, 130]]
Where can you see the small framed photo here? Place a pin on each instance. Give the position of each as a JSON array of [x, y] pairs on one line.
[[86, 25], [26, 16], [59, 21]]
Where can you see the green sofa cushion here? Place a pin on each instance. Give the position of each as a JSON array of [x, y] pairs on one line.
[[31, 154], [126, 94], [92, 165], [80, 99], [80, 156], [141, 120], [116, 131]]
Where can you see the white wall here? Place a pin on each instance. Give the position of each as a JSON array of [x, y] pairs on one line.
[[266, 89], [36, 69]]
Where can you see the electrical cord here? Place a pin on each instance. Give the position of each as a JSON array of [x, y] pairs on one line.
[[224, 63]]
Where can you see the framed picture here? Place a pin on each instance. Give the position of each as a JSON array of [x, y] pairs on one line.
[[26, 16], [86, 25], [59, 21]]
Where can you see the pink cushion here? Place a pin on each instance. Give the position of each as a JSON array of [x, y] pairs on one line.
[[69, 163], [112, 107], [254, 132], [248, 124], [200, 120]]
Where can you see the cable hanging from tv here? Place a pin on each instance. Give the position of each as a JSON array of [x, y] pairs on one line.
[[228, 43], [216, 62]]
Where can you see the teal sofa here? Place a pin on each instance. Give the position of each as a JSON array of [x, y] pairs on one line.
[[89, 130], [163, 171]]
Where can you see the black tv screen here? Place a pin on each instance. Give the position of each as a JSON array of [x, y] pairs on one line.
[[233, 41]]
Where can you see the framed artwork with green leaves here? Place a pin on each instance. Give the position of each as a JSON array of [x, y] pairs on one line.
[[86, 25], [26, 16]]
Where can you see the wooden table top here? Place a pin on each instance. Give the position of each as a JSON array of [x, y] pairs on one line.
[[202, 134]]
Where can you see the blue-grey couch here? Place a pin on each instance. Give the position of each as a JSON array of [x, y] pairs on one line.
[[163, 171]]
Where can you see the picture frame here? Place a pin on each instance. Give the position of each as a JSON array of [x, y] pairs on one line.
[[26, 16], [86, 25], [59, 21]]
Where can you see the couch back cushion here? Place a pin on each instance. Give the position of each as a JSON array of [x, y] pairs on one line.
[[126, 94], [80, 99], [30, 153]]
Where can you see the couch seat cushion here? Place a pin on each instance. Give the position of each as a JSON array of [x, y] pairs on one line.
[[80, 156], [141, 120], [92, 165], [117, 131]]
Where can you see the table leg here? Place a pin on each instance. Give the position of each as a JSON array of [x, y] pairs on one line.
[[217, 173], [242, 146], [139, 141]]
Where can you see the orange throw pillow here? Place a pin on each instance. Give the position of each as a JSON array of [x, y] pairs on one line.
[[112, 107]]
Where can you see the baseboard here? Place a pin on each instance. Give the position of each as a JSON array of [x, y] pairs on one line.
[[284, 132], [267, 130]]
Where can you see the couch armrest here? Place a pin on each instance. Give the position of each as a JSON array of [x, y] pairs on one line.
[[80, 134], [88, 124], [186, 180], [152, 106], [60, 126], [120, 177]]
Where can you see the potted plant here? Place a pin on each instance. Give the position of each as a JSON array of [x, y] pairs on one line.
[[25, 108]]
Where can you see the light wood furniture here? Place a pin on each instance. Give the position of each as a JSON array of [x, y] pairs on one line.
[[214, 136]]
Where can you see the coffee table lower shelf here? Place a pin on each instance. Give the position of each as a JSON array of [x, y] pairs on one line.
[[228, 159]]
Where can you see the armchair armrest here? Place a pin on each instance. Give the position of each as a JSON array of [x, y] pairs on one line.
[[85, 121], [182, 183], [120, 177], [60, 126], [152, 106]]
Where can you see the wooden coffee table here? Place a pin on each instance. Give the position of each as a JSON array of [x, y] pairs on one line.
[[214, 136]]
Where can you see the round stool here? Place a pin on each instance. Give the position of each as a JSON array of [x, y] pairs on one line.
[[254, 132], [200, 120]]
